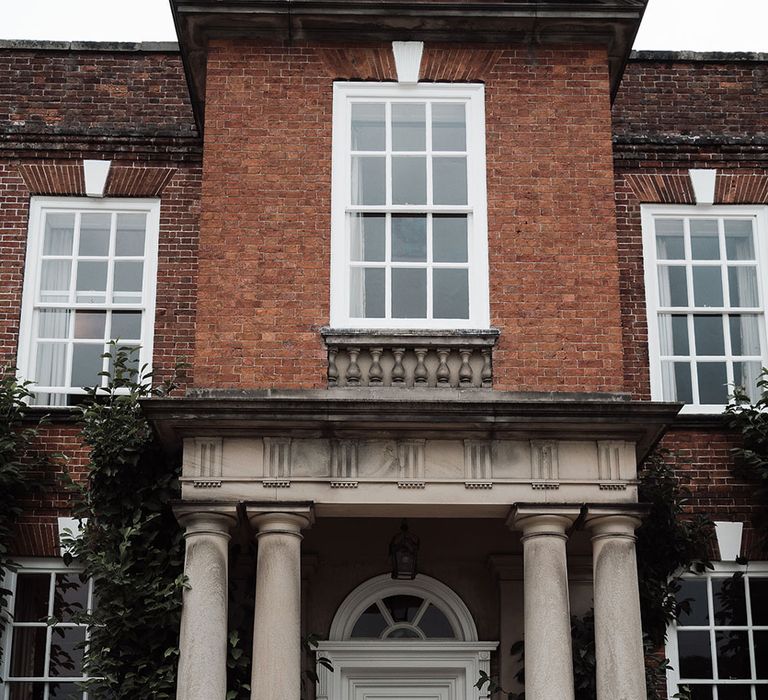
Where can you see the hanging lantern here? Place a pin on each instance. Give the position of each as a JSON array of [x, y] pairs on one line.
[[404, 549]]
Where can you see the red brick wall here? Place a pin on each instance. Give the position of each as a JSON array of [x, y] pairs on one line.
[[265, 225]]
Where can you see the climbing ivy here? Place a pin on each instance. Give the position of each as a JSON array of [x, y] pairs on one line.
[[131, 544], [19, 465]]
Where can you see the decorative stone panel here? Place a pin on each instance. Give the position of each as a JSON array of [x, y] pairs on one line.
[[478, 468], [277, 461], [411, 460], [545, 464]]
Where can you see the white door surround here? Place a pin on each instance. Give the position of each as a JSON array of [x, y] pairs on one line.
[[406, 669]]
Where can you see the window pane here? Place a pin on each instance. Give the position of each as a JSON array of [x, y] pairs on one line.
[[713, 387], [367, 292], [90, 324], [449, 180], [132, 360], [670, 241], [368, 180], [94, 234], [729, 601], [409, 238], [705, 244], [28, 652], [676, 381], [32, 591], [708, 331], [403, 608], [67, 651], [128, 276], [91, 281], [745, 374], [70, 597], [86, 364], [742, 285], [370, 624], [673, 334], [51, 366], [449, 127], [409, 293], [435, 624], [761, 654], [368, 237], [707, 286], [368, 132], [449, 238], [403, 633], [701, 692], [734, 692], [64, 691], [54, 323], [131, 230], [59, 234], [409, 180], [692, 599], [673, 290], [758, 589], [450, 298], [26, 691], [54, 280], [738, 240], [126, 325], [745, 334], [695, 654], [409, 130], [732, 654], [761, 692]]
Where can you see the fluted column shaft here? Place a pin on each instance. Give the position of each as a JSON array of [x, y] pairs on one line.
[[202, 672], [548, 659], [276, 673], [618, 629]]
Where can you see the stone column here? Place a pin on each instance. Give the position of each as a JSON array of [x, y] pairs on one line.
[[618, 630], [548, 659], [202, 671], [276, 673]]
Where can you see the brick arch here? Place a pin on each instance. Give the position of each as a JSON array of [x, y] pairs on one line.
[[676, 188]]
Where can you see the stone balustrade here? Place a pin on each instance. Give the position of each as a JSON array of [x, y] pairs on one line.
[[436, 359]]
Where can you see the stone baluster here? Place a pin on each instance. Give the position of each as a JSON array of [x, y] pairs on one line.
[[333, 370], [398, 371], [443, 371], [486, 374], [465, 371], [420, 373], [375, 373], [353, 369]]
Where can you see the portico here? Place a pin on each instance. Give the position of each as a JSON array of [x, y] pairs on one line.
[[560, 483]]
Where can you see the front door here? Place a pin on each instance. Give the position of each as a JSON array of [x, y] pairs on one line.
[[403, 684]]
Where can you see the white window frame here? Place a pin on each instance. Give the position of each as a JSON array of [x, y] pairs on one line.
[[39, 206], [473, 94], [24, 565], [648, 214], [720, 570]]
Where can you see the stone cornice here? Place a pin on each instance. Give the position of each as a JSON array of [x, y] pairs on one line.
[[457, 413], [609, 23]]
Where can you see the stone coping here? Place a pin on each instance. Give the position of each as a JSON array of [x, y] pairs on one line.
[[105, 46]]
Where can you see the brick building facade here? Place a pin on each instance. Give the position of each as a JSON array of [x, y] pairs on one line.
[[297, 180]]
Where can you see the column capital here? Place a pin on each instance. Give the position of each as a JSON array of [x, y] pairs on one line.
[[542, 519], [206, 518], [613, 521], [280, 519]]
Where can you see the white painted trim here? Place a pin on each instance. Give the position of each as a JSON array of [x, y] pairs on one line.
[[647, 214], [408, 60], [703, 183], [96, 173], [474, 96], [384, 585], [38, 207], [729, 539], [403, 660]]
